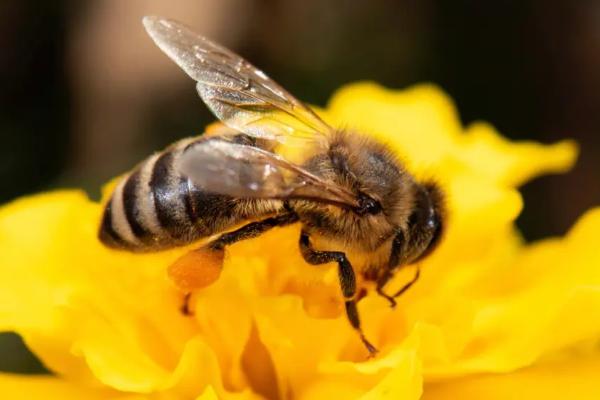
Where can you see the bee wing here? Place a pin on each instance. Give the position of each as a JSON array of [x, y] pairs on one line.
[[238, 170], [238, 93]]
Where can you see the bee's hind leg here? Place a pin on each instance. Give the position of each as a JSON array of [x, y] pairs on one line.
[[199, 268], [347, 281], [185, 307], [253, 230], [195, 269]]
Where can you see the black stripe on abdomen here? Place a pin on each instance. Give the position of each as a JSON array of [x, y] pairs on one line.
[[107, 233], [132, 211], [169, 198]]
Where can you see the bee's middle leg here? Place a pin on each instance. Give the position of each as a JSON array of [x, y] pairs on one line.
[[347, 281]]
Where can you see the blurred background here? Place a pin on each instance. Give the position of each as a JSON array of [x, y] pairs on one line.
[[85, 94]]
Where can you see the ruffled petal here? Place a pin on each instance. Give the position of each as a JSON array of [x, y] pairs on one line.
[[27, 387], [545, 299], [86, 311], [574, 377], [272, 326], [421, 122], [512, 163]]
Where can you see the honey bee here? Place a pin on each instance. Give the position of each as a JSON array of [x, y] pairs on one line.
[[351, 194]]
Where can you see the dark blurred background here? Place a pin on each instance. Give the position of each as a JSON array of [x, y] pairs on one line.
[[85, 94]]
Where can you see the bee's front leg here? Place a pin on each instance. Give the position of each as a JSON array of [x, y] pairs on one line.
[[381, 282], [201, 267], [347, 281], [394, 262]]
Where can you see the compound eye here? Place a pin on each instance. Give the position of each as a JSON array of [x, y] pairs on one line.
[[373, 207], [434, 225], [425, 233], [368, 205], [433, 221]]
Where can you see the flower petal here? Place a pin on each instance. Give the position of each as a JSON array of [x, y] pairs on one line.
[[565, 378], [76, 310], [423, 126], [27, 387], [512, 163], [421, 122], [273, 326], [546, 299]]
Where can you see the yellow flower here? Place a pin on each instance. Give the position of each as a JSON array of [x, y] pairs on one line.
[[491, 317]]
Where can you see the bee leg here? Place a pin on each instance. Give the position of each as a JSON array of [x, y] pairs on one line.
[[195, 269], [185, 307], [252, 230], [347, 281], [381, 284], [396, 252], [394, 262], [199, 268], [410, 283], [392, 299]]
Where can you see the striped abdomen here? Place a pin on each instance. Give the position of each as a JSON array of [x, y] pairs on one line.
[[155, 207]]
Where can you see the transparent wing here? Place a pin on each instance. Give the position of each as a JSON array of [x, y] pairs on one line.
[[239, 94], [237, 170]]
